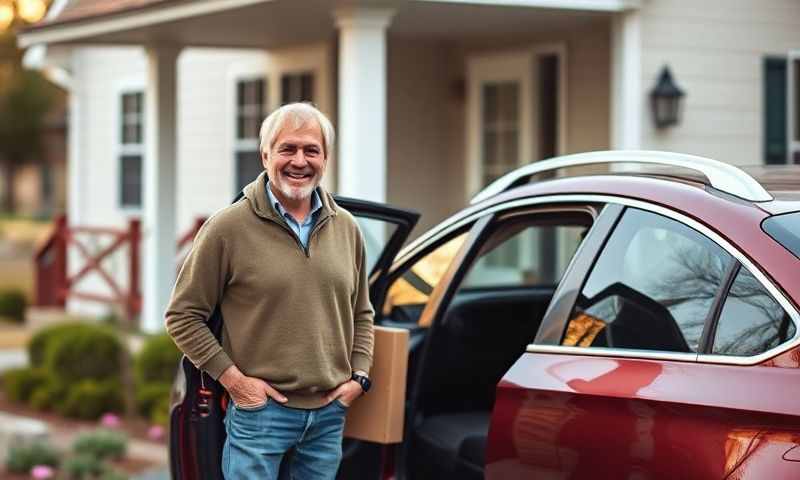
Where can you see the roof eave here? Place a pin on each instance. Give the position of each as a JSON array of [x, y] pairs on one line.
[[88, 30]]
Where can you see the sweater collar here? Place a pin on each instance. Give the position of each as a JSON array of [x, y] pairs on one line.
[[256, 194]]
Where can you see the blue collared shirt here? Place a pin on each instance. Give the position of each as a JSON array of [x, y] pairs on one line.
[[301, 230]]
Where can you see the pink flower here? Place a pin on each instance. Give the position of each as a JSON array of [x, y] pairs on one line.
[[41, 472], [155, 432], [110, 420]]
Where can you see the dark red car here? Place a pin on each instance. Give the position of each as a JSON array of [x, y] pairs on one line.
[[621, 326]]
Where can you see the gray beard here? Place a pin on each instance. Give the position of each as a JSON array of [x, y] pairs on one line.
[[297, 193]]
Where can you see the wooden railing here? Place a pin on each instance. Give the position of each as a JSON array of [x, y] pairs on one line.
[[54, 283]]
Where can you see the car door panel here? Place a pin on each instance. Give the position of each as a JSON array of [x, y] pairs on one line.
[[569, 409], [580, 416]]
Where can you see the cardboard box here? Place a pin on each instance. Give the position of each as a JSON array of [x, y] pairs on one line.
[[378, 415]]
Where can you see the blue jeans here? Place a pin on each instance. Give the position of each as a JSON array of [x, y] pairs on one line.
[[258, 438]]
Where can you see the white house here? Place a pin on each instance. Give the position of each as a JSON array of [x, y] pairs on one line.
[[431, 98]]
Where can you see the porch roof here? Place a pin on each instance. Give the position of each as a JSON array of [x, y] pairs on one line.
[[276, 23]]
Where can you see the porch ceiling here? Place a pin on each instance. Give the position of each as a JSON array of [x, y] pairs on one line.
[[267, 24]]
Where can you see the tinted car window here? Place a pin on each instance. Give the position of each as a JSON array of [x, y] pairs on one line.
[[751, 321], [526, 255], [414, 287], [785, 229], [651, 288]]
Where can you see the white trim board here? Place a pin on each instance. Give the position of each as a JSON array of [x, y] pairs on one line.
[[589, 5], [83, 30]]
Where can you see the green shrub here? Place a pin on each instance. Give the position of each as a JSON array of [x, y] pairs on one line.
[[149, 395], [12, 305], [89, 399], [84, 467], [110, 474], [159, 415], [37, 347], [84, 352], [49, 394], [102, 444], [20, 383], [157, 361], [22, 458]]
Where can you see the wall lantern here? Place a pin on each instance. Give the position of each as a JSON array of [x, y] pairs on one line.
[[666, 101]]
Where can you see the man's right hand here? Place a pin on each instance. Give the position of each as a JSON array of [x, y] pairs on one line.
[[248, 392]]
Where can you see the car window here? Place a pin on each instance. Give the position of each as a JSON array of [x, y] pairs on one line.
[[751, 321], [785, 229], [377, 233], [525, 255], [414, 286], [651, 288]]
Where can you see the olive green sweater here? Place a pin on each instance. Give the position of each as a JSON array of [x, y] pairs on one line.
[[299, 318]]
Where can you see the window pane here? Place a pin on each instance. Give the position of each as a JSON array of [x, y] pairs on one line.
[[751, 321], [376, 233], [131, 118], [250, 108], [525, 254], [131, 180], [651, 288], [500, 129], [415, 285], [298, 87]]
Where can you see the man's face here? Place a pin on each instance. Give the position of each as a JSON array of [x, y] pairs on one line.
[[296, 161]]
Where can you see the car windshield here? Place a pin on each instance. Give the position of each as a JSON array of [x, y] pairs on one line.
[[785, 229]]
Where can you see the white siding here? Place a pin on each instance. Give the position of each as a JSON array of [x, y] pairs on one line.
[[427, 111], [205, 115], [716, 50]]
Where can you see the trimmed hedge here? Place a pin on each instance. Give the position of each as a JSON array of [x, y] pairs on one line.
[[89, 399], [48, 395], [12, 305], [155, 369], [158, 360], [84, 352], [82, 365], [20, 383], [149, 395]]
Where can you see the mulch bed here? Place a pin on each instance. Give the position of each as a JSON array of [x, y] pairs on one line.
[[136, 428]]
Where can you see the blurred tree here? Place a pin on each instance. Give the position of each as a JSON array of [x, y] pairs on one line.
[[26, 97]]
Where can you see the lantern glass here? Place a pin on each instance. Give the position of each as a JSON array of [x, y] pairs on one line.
[[666, 101]]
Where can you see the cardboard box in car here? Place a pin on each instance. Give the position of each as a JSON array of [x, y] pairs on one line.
[[378, 415]]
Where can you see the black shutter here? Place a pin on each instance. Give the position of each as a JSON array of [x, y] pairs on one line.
[[775, 110]]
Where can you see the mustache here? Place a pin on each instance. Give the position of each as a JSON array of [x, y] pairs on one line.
[[305, 171]]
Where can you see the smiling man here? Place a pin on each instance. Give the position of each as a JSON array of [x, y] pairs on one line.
[[287, 267]]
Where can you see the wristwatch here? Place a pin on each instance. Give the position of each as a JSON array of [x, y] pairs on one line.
[[362, 380]]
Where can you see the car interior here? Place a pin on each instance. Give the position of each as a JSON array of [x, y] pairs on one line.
[[456, 363]]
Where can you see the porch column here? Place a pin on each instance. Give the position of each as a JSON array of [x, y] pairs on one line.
[[362, 102], [159, 185], [627, 96]]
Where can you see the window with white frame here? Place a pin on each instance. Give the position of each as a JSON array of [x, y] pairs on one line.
[[500, 129], [131, 149], [251, 101], [297, 87]]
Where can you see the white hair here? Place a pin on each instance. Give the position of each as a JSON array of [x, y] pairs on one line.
[[297, 115]]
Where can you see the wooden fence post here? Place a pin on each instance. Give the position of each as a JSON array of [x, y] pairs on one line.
[[134, 304]]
